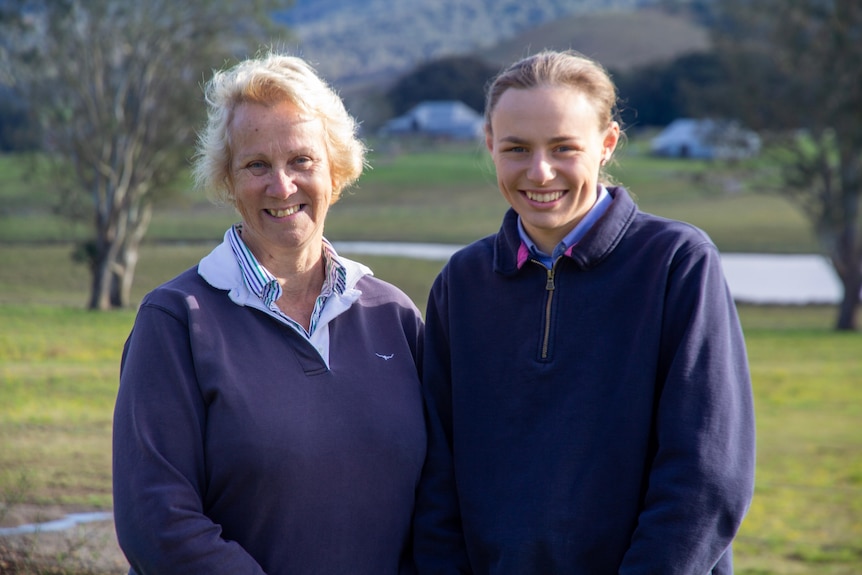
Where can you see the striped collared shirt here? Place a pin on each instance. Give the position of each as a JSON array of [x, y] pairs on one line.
[[265, 286]]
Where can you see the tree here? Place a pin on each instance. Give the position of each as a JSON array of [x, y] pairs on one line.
[[116, 86], [17, 132], [452, 78], [794, 70], [657, 94]]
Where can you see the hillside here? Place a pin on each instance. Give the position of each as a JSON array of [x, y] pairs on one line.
[[620, 40], [373, 41]]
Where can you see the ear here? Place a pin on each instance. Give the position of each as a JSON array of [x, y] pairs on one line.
[[336, 192], [609, 142], [489, 139], [227, 191]]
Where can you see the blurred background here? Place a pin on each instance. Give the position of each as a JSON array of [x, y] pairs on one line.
[[742, 117]]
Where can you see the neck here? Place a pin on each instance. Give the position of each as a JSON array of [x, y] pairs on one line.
[[300, 287], [302, 278]]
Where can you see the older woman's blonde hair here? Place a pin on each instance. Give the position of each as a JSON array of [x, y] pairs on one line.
[[270, 79]]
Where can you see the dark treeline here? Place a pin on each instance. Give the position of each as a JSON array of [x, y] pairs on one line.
[[453, 78], [654, 95], [17, 130], [692, 85]]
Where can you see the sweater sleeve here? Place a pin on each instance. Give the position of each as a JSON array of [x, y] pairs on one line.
[[158, 456], [439, 546], [701, 478]]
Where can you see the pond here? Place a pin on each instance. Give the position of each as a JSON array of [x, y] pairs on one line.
[[753, 278], [781, 279]]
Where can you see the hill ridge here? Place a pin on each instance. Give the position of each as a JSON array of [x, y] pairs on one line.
[[371, 41]]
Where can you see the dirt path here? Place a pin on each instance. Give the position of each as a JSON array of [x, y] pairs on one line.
[[85, 549]]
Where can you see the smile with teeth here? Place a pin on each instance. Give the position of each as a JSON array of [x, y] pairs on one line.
[[544, 197], [283, 213]]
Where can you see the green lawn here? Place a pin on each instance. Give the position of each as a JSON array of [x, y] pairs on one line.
[[59, 363], [58, 380], [443, 194], [807, 511]]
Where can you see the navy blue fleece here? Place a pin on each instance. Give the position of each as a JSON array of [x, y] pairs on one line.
[[237, 451], [602, 426]]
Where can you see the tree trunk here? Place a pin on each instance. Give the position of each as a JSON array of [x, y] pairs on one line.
[[106, 263], [120, 228], [848, 263], [128, 257], [106, 267], [849, 303], [100, 270]]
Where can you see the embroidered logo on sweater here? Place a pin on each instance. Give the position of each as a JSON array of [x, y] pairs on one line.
[[386, 357]]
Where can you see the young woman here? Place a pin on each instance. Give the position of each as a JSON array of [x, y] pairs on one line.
[[585, 377]]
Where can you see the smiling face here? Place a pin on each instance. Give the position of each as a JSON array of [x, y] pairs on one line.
[[547, 146], [281, 181]]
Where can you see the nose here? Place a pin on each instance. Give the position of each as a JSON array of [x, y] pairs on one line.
[[540, 169], [281, 183]]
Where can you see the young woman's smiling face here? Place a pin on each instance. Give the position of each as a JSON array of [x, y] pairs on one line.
[[281, 177], [547, 148]]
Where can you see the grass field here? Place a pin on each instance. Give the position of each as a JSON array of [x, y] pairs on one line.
[[446, 195], [59, 363]]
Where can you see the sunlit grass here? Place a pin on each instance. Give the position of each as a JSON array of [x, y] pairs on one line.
[[58, 380], [59, 364], [448, 193], [59, 370], [806, 516]]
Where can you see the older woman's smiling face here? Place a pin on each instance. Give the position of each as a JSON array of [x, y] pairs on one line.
[[547, 148], [281, 177]]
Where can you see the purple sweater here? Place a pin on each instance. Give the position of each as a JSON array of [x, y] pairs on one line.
[[237, 451], [596, 420]]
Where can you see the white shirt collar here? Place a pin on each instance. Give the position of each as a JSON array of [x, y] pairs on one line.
[[226, 269]]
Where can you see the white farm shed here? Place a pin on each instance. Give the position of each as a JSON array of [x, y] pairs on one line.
[[706, 139]]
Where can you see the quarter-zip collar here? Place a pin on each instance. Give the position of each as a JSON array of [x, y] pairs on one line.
[[589, 252], [603, 200]]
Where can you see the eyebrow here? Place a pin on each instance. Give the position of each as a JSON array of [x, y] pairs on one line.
[[261, 154], [554, 140]]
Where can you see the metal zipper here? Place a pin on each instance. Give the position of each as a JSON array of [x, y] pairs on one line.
[[549, 287]]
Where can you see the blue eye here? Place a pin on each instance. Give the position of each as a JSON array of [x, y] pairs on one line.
[[257, 168]]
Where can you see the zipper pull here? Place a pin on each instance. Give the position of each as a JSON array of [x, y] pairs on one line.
[[549, 285]]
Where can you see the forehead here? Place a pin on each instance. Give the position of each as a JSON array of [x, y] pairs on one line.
[[273, 122], [526, 108]]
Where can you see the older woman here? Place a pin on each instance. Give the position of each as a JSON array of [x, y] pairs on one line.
[[589, 402], [269, 417]]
